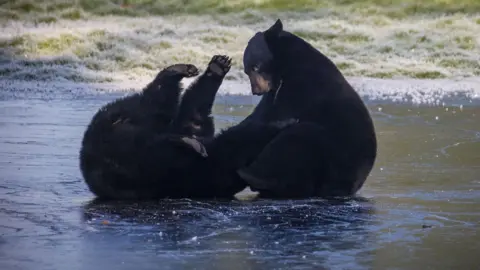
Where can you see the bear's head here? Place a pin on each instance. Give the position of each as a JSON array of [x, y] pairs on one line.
[[277, 57], [258, 61]]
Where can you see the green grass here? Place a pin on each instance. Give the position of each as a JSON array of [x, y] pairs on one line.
[[423, 39], [47, 46], [444, 23], [14, 42], [459, 63], [466, 42], [40, 63], [343, 66], [381, 21], [162, 45], [8, 14], [249, 17], [405, 73], [97, 33], [25, 6], [324, 36], [335, 37], [380, 75], [56, 45], [73, 14], [46, 19], [401, 35], [425, 74], [213, 39], [340, 49], [93, 66], [393, 9], [386, 49]]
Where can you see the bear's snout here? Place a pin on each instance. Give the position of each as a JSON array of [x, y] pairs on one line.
[[260, 85]]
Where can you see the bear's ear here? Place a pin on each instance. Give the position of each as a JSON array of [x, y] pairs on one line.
[[275, 29], [272, 33]]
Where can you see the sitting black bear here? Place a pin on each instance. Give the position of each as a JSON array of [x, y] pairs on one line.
[[332, 148]]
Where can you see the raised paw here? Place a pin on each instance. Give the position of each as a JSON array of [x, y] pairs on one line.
[[219, 65], [186, 70]]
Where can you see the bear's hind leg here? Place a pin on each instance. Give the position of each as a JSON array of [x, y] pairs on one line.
[[293, 165], [163, 93], [172, 75]]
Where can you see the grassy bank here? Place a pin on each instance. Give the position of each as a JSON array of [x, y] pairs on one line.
[[77, 9], [366, 38]]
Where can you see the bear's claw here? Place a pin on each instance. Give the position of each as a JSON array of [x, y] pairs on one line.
[[186, 70], [220, 65]]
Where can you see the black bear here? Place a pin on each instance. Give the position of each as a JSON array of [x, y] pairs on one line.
[[332, 148], [142, 146]]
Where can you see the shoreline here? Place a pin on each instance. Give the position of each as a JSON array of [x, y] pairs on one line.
[[424, 92]]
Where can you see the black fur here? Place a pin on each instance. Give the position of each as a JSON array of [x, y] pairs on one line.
[[332, 149], [231, 150], [142, 146]]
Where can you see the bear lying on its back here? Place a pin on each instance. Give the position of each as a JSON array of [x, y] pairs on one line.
[[332, 148], [143, 146]]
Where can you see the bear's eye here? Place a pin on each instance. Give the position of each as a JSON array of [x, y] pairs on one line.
[[256, 67]]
